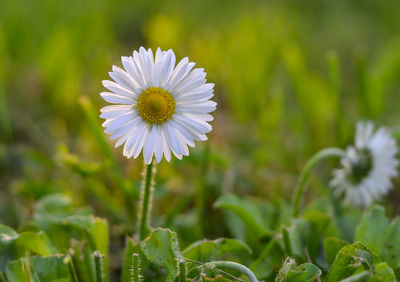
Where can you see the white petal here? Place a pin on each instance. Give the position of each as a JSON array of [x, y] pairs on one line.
[[116, 123], [202, 107], [116, 99], [139, 145], [149, 144], [137, 78], [123, 78], [109, 111], [118, 89], [176, 143], [197, 125], [126, 128], [158, 146], [184, 134], [165, 143]]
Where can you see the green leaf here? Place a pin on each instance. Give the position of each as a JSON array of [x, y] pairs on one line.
[[384, 273], [7, 234], [373, 229], [7, 248], [331, 247], [51, 268], [360, 277], [391, 251], [271, 256], [57, 205], [303, 272], [247, 211], [96, 227], [380, 272], [318, 224], [348, 261], [19, 271], [296, 237], [219, 249], [161, 247], [37, 243]]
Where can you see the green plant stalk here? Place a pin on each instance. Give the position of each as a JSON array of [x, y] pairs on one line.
[[233, 265], [182, 272], [286, 241], [305, 174], [72, 271], [145, 202], [135, 271], [98, 261]]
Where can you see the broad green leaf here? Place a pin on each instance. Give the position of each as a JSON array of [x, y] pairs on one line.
[[318, 224], [373, 229], [37, 243], [51, 268], [348, 261], [7, 234], [391, 250], [96, 227], [380, 272], [57, 205], [304, 272], [247, 211], [219, 249], [161, 247], [384, 273], [19, 271], [359, 277], [271, 256], [7, 248], [289, 272], [296, 237], [332, 247]]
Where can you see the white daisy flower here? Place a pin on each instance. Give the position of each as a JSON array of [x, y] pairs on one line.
[[368, 166], [158, 107]]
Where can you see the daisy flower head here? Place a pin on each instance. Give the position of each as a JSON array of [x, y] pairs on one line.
[[368, 166], [158, 107]]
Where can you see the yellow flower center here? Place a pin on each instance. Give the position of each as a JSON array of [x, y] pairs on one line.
[[156, 105]]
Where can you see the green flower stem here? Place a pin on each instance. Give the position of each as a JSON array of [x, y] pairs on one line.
[[145, 202], [305, 174], [233, 265]]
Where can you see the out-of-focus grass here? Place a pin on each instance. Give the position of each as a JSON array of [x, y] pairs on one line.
[[291, 77]]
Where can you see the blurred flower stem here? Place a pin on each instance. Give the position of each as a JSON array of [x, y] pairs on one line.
[[128, 189], [145, 201], [305, 174], [5, 122], [201, 192]]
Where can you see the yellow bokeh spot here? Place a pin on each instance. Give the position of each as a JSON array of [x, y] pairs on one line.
[[156, 105]]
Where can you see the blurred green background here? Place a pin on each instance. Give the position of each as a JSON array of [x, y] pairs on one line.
[[291, 77]]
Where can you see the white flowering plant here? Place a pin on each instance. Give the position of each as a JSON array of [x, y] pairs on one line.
[[160, 108]]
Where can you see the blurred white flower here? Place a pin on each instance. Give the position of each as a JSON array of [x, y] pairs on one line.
[[159, 107], [368, 166]]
